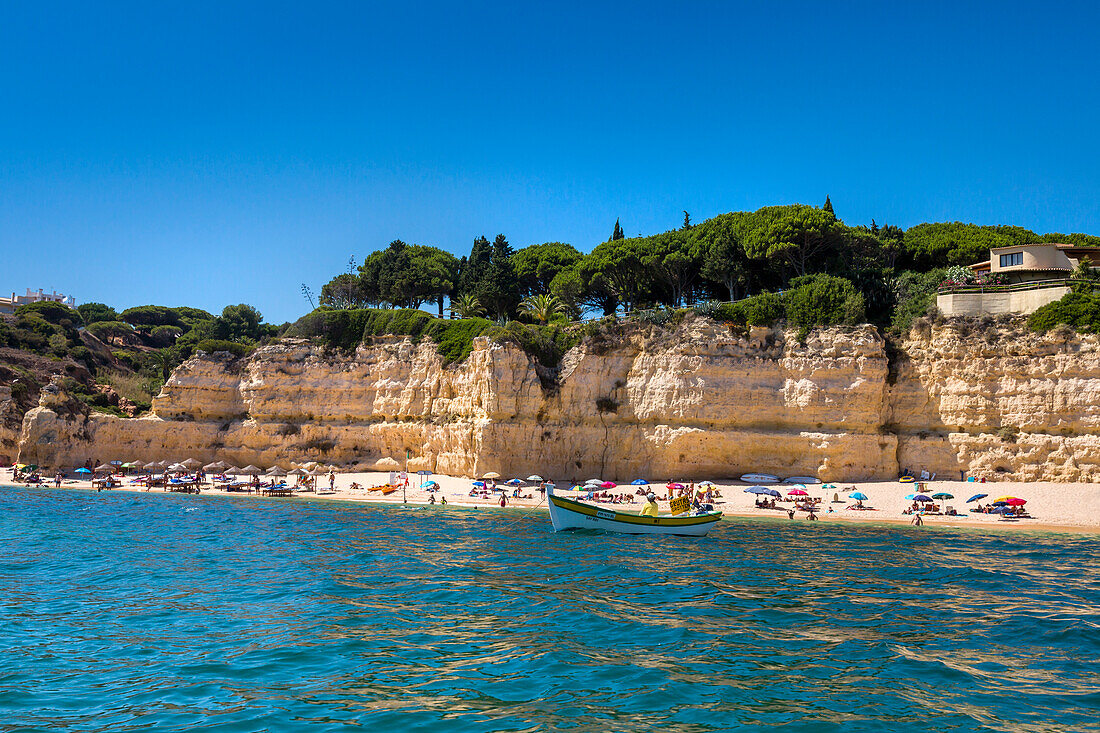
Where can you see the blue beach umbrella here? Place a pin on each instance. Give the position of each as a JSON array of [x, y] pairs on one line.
[[976, 497], [479, 483], [858, 495], [514, 482], [81, 470], [639, 482], [920, 497]]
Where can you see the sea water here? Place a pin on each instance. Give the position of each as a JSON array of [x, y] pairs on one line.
[[125, 611]]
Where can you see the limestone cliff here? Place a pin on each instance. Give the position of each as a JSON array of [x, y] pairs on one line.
[[702, 400]]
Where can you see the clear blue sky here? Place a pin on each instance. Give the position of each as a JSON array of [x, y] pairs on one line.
[[214, 153]]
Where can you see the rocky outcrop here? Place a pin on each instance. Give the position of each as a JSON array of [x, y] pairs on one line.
[[702, 400]]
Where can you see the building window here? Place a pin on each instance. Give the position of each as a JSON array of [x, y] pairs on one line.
[[1016, 258]]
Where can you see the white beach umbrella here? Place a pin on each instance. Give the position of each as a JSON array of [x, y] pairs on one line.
[[251, 470]]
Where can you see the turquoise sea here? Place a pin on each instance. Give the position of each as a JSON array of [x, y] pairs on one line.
[[126, 611]]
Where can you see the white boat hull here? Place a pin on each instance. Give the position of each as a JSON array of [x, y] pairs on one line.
[[760, 478], [569, 514]]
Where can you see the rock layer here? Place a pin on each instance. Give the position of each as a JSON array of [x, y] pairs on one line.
[[704, 400]]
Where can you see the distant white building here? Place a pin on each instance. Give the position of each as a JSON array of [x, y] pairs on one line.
[[8, 305]]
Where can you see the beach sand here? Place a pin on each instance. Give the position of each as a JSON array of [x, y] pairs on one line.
[[1071, 507]]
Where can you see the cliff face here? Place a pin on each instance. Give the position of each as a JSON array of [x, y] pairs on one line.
[[701, 401]]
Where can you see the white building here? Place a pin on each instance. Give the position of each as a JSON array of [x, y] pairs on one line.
[[8, 305]]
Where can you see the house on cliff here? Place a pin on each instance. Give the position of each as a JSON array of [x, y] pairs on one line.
[[1031, 276]]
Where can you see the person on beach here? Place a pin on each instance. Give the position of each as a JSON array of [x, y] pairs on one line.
[[443, 501], [790, 514], [503, 501], [650, 508], [331, 480], [917, 521]]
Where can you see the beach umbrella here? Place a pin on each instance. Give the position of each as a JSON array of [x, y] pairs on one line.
[[163, 464], [131, 464], [297, 472], [251, 470], [317, 471], [232, 471], [1004, 499], [149, 466], [800, 486], [514, 482], [828, 486], [797, 492], [217, 466], [608, 485], [976, 497], [479, 484], [919, 497], [576, 487], [675, 486], [594, 481], [707, 483], [858, 496], [943, 495], [275, 471], [431, 483], [534, 477], [491, 474], [639, 482], [20, 466], [81, 470], [190, 463], [1013, 501], [177, 467], [103, 467]]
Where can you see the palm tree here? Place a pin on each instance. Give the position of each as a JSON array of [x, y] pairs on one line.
[[466, 306], [542, 307]]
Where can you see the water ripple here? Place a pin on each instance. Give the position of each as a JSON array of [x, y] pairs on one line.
[[132, 612]]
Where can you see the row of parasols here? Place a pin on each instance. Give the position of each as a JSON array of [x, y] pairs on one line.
[[217, 467], [798, 490], [594, 483]]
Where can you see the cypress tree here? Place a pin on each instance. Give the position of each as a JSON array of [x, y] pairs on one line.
[[828, 206], [618, 233]]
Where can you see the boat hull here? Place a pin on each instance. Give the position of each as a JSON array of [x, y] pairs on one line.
[[569, 514], [760, 478]]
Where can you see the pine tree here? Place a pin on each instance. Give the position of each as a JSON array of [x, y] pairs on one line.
[[687, 221], [618, 233], [828, 206]]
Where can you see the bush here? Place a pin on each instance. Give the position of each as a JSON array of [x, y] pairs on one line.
[[765, 309], [347, 329], [823, 300], [1081, 310], [546, 344], [915, 293]]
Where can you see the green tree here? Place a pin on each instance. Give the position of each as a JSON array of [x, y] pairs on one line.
[[537, 266], [956, 243], [617, 233], [344, 291], [687, 221], [499, 291], [725, 262], [797, 239], [96, 312], [240, 323], [474, 269], [467, 306], [828, 206], [541, 307]]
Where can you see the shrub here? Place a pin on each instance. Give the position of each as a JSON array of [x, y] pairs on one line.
[[546, 344], [1078, 309], [765, 309], [606, 404], [823, 300]]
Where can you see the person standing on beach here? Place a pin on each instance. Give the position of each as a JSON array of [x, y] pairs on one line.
[[917, 521], [331, 480]]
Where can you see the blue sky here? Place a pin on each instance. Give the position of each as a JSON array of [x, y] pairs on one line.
[[215, 153]]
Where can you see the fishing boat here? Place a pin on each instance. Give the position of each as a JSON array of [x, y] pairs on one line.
[[568, 513], [759, 478], [801, 480]]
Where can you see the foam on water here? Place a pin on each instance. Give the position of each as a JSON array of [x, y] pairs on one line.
[[135, 611]]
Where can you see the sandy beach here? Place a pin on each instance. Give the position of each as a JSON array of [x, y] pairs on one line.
[[1053, 506]]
